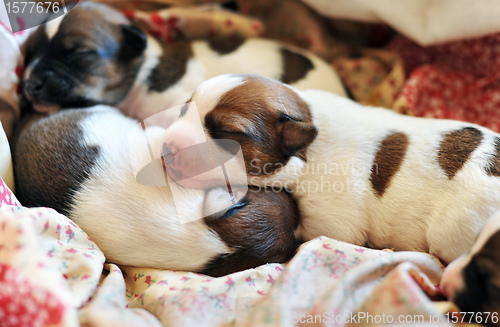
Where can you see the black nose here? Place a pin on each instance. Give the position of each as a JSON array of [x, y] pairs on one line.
[[33, 86]]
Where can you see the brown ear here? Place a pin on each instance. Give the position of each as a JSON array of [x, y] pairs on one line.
[[296, 136], [134, 41]]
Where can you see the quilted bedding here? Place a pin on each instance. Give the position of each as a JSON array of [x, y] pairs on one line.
[[53, 274]]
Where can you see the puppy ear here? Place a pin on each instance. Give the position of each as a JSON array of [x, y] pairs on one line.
[[134, 41], [296, 136]]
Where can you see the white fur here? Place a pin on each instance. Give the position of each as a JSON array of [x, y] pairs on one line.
[[139, 217]]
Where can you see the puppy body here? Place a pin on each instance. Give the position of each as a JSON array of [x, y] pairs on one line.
[[93, 55], [81, 163], [368, 176], [388, 200], [254, 56]]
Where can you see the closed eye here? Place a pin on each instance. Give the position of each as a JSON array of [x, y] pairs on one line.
[[234, 209], [184, 109], [223, 133]]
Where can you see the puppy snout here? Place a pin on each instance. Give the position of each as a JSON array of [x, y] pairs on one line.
[[33, 86], [168, 152]]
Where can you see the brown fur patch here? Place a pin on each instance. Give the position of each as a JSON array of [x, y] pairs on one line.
[[261, 232], [493, 168], [50, 161], [456, 149], [388, 159], [267, 106], [172, 66], [224, 45], [295, 66]]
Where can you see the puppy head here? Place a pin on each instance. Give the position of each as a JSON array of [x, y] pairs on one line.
[[268, 119], [472, 281], [89, 56], [260, 228]]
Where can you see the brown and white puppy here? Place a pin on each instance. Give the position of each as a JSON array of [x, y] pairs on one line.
[[473, 280], [93, 55], [363, 175], [81, 163]]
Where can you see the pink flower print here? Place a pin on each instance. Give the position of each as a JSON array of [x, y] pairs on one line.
[[261, 293], [229, 282], [278, 268], [135, 278], [250, 281], [46, 226], [162, 282], [360, 250], [58, 230], [72, 250], [327, 246], [270, 280], [85, 277], [69, 233], [185, 278], [147, 280]]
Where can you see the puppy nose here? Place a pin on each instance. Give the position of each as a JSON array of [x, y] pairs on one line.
[[169, 151], [33, 86]]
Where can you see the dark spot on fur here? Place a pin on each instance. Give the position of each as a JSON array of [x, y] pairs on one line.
[[493, 168], [456, 149], [171, 67], [263, 231], [295, 66], [225, 45], [387, 161], [50, 165]]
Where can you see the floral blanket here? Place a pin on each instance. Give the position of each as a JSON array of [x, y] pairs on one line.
[[53, 274]]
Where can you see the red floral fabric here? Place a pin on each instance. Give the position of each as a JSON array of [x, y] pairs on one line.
[[458, 80]]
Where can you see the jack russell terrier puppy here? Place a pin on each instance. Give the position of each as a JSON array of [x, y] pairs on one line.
[[78, 162], [472, 281], [364, 175], [94, 55]]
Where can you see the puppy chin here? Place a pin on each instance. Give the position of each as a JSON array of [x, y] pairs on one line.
[[46, 108], [452, 280]]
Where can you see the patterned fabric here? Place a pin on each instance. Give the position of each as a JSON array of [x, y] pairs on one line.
[[7, 198], [457, 80]]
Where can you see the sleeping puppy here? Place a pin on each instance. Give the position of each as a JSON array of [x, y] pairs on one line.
[[364, 175], [473, 280], [93, 55], [77, 162]]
